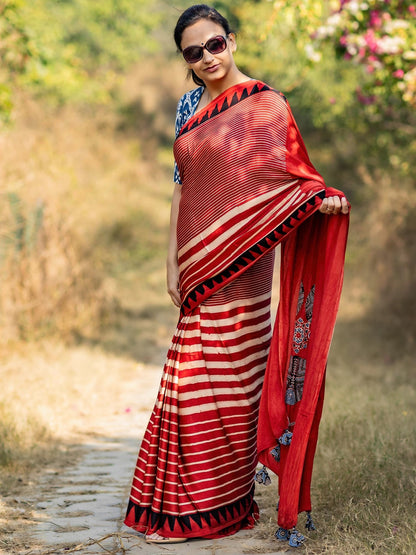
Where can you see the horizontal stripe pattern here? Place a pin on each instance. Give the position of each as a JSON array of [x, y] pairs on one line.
[[198, 453]]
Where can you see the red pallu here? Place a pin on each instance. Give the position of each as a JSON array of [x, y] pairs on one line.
[[248, 185]]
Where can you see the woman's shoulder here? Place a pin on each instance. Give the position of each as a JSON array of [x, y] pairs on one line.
[[186, 107], [190, 99]]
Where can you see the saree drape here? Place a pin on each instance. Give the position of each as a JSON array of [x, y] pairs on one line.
[[247, 185]]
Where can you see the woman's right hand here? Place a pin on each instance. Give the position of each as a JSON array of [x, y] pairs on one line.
[[172, 272]]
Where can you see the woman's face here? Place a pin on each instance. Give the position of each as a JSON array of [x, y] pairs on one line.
[[211, 67]]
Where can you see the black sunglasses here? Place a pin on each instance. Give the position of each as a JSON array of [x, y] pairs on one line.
[[193, 54]]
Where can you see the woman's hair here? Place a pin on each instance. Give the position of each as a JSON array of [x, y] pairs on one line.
[[191, 16]]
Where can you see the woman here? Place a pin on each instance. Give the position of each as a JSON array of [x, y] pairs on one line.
[[244, 184]]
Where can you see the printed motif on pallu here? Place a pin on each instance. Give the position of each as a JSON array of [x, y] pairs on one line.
[[301, 335]]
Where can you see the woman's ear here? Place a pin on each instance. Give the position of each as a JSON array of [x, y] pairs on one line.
[[233, 43]]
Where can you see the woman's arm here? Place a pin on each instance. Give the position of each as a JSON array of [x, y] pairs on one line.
[[172, 259]]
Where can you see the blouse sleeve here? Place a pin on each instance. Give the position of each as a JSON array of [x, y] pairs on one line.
[[185, 109], [178, 124], [176, 176]]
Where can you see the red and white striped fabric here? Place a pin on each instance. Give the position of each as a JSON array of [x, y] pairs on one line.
[[195, 469], [246, 184]]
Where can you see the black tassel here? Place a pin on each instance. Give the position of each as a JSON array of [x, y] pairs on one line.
[[309, 522]]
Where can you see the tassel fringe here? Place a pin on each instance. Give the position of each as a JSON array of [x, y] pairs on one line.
[[309, 522], [284, 439], [294, 537], [262, 477], [282, 534]]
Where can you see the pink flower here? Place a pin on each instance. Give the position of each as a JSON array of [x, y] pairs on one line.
[[375, 19], [412, 11], [369, 68], [343, 40], [361, 52], [398, 73], [347, 56], [371, 41], [332, 100], [365, 100]]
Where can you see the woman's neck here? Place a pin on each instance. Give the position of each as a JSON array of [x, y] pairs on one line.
[[215, 88]]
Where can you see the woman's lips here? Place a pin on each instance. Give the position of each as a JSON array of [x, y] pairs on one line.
[[211, 69]]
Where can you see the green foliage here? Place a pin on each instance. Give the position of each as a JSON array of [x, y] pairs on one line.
[[72, 49], [13, 43]]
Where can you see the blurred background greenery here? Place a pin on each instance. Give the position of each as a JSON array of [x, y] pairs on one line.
[[88, 92], [346, 69]]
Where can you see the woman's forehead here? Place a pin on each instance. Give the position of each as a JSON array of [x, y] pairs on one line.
[[200, 32]]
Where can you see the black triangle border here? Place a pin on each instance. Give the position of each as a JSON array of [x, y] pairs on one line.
[[247, 91], [144, 516], [198, 294]]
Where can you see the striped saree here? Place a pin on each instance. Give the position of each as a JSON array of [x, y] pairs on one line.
[[247, 185]]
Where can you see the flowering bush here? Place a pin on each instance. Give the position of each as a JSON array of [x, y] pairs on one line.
[[381, 36]]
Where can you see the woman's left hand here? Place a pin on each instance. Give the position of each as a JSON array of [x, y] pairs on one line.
[[334, 205]]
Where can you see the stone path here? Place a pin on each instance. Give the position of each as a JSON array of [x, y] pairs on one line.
[[82, 509]]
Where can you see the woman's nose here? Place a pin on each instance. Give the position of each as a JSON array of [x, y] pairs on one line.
[[207, 56]]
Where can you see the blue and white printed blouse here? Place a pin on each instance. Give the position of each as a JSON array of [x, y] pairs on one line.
[[185, 110]]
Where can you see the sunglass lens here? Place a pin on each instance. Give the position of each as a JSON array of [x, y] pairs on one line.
[[216, 45], [192, 54]]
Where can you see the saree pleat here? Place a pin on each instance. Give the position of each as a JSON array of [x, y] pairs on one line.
[[247, 185]]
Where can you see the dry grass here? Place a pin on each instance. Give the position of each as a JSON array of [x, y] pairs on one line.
[[364, 473], [77, 205], [387, 254], [48, 283], [91, 274], [49, 288]]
